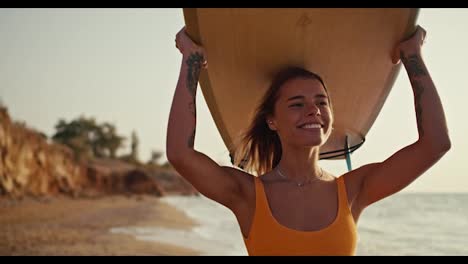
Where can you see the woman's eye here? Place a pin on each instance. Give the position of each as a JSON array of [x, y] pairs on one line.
[[323, 103], [296, 105]]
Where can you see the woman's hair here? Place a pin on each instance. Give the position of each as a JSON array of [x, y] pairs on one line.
[[258, 149]]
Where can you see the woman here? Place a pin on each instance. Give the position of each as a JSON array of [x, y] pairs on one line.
[[293, 206]]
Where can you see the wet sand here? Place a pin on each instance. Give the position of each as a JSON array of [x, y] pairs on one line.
[[66, 226]]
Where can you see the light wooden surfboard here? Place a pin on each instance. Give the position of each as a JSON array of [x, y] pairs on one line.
[[350, 48]]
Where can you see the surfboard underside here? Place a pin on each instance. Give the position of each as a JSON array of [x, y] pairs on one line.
[[350, 48]]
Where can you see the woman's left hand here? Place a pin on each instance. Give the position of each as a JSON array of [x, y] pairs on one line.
[[410, 46]]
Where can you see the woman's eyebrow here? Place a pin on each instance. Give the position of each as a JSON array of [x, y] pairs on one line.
[[302, 97], [296, 97]]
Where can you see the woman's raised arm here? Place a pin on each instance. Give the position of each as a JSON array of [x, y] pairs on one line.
[[220, 183]]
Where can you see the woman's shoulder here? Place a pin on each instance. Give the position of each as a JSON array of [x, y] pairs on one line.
[[236, 171], [358, 174], [243, 177], [246, 183], [354, 179]]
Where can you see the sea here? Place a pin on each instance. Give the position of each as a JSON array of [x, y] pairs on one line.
[[405, 224]]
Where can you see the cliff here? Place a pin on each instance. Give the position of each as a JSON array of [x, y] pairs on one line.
[[32, 165]]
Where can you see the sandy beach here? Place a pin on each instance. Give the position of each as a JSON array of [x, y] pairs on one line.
[[66, 226]]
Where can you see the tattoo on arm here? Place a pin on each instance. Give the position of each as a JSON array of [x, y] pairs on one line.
[[418, 91], [413, 65], [194, 63], [191, 140], [415, 68]]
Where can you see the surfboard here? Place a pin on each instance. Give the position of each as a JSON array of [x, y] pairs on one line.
[[350, 48]]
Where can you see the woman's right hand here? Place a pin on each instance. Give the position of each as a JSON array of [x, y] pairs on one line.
[[187, 47], [410, 46]]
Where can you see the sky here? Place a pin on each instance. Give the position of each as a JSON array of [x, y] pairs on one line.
[[121, 66]]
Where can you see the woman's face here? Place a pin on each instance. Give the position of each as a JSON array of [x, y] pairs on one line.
[[302, 113]]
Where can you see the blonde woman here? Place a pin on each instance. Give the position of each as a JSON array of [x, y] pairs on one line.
[[292, 206]]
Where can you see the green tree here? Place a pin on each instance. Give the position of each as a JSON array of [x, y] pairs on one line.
[[107, 141], [87, 138], [73, 135]]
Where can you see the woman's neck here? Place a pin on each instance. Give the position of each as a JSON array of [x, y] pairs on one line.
[[300, 164]]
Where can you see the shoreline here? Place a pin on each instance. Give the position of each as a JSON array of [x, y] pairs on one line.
[[82, 226]]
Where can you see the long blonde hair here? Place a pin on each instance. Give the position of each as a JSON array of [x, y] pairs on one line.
[[258, 149]]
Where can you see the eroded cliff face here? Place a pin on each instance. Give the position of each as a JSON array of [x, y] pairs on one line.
[[30, 165]]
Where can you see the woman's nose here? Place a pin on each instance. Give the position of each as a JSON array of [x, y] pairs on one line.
[[313, 110]]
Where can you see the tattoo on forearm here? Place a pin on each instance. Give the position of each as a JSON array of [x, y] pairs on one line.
[[194, 62], [418, 91], [415, 68], [191, 140], [413, 65]]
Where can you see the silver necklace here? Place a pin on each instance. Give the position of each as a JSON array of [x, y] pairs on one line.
[[298, 184]]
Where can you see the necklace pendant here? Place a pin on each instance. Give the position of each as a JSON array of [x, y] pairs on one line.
[[300, 184]]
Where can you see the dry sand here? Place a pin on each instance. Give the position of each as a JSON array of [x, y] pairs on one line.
[[66, 226]]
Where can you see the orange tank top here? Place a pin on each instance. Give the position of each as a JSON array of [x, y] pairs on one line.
[[268, 237]]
